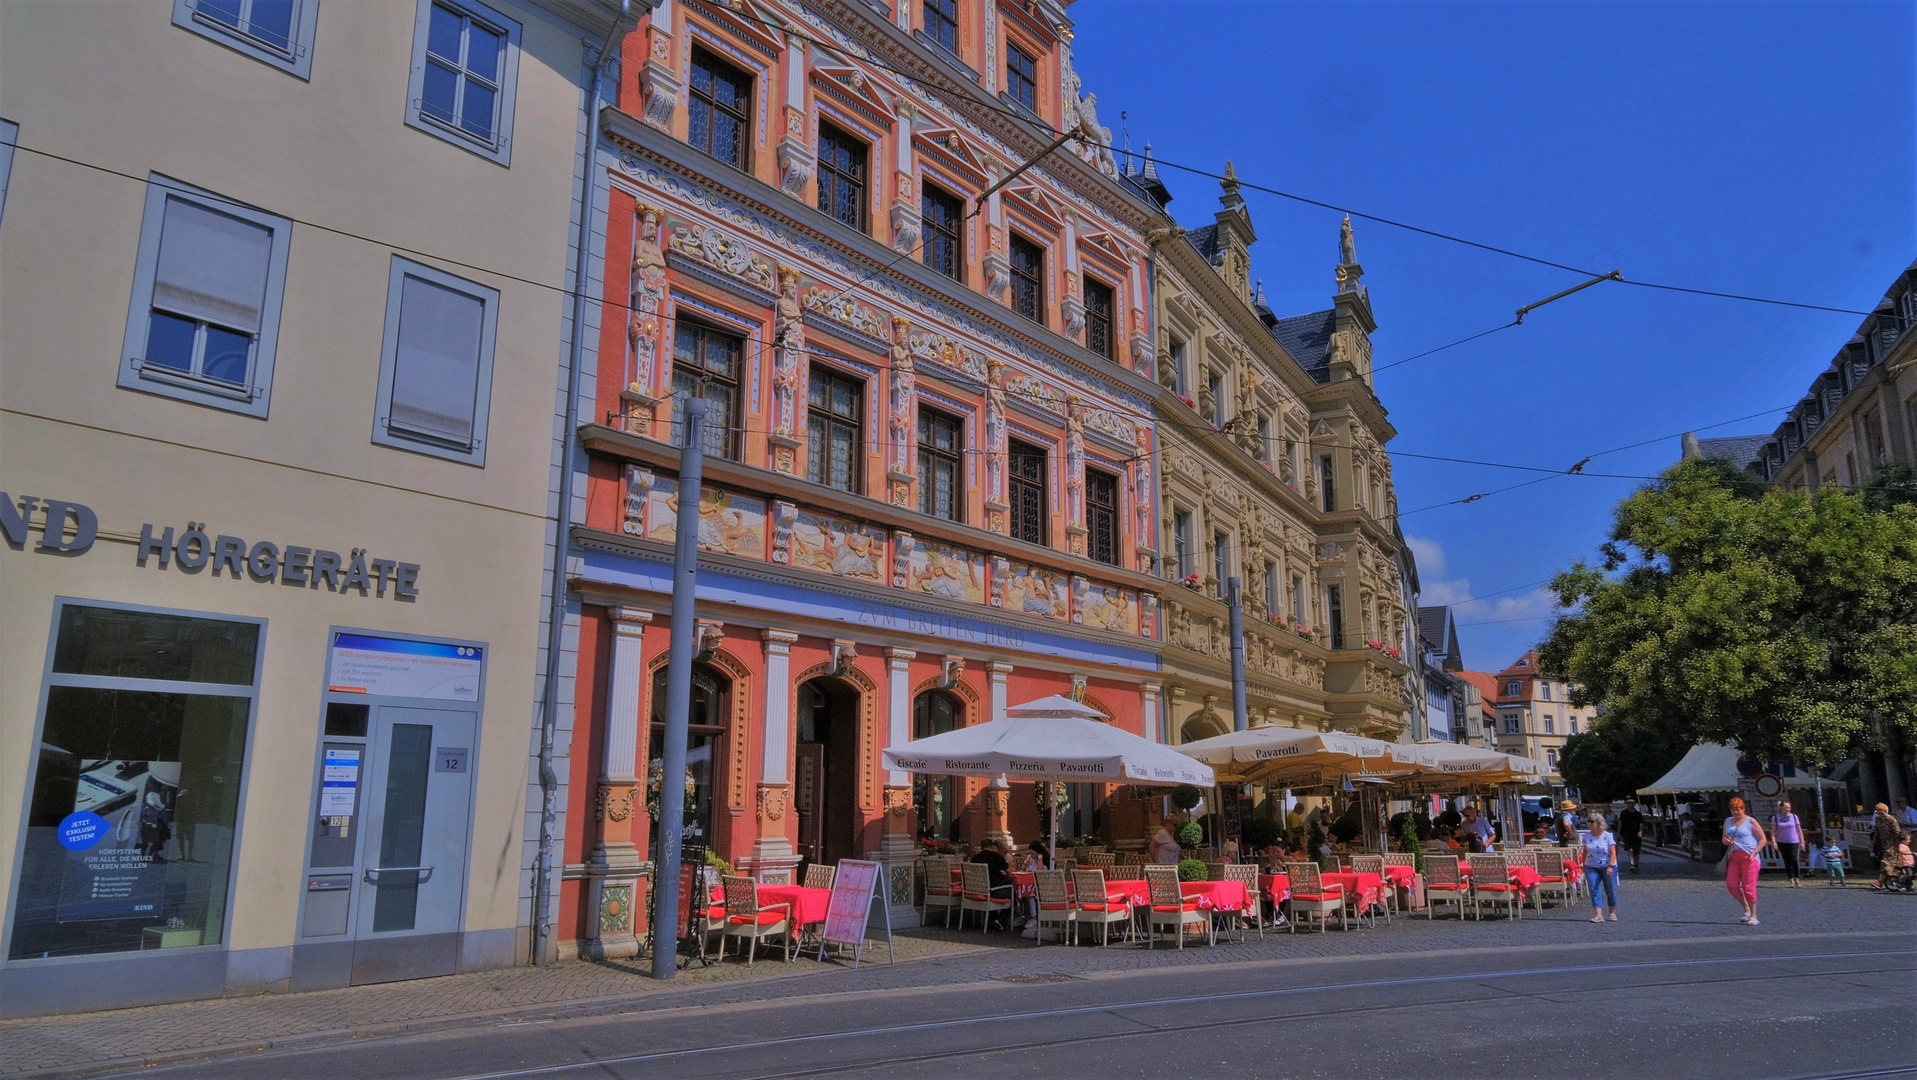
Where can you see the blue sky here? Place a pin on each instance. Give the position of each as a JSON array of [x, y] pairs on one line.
[[1756, 148]]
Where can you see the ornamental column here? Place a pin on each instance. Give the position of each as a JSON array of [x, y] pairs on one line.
[[773, 858], [613, 867], [1148, 700], [998, 797], [899, 848]]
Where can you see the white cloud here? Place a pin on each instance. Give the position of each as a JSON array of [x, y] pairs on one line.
[[1429, 553]]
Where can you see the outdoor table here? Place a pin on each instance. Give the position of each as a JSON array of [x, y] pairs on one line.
[[1398, 876], [1368, 888], [1276, 887], [1524, 877], [808, 904]]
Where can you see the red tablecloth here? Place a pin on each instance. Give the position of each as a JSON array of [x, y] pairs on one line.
[[808, 905], [1399, 875], [1211, 895], [1276, 887], [1367, 889], [1024, 886], [1524, 877]]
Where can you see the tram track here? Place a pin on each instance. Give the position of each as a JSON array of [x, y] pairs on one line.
[[1116, 1010]]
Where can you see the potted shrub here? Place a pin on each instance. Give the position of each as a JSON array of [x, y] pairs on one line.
[[1191, 870], [1190, 836], [1186, 796]]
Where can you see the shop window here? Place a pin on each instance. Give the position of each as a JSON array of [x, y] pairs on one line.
[[941, 24], [941, 444], [705, 739], [1021, 76], [207, 287], [832, 423], [842, 173], [1101, 516], [705, 364], [436, 364], [1028, 492], [936, 712], [944, 224], [1028, 279], [135, 790], [718, 108], [276, 32], [1100, 300], [1181, 543], [465, 66]]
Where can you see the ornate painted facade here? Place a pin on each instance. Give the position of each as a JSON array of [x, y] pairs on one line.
[[1273, 470], [931, 493]]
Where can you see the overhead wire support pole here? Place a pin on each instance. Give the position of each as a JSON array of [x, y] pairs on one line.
[[1615, 275], [979, 203], [672, 763]]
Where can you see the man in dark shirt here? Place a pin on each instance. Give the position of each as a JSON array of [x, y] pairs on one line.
[[1449, 819], [1630, 832], [1000, 874]]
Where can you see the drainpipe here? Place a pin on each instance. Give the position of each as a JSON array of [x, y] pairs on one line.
[[556, 616]]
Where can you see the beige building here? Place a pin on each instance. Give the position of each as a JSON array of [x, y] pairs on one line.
[[1534, 713], [1272, 469], [1858, 419], [280, 312]]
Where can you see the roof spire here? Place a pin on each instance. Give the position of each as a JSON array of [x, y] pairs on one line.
[[1230, 183]]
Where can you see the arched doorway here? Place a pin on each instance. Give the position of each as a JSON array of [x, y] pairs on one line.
[[705, 747], [936, 712], [825, 792]]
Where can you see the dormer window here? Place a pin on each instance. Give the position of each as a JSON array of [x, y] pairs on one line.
[[941, 23]]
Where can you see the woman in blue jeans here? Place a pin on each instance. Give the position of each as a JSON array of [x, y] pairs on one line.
[[1600, 868]]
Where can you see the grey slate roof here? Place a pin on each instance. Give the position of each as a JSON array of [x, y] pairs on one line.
[[1308, 339], [1205, 239], [1739, 450]]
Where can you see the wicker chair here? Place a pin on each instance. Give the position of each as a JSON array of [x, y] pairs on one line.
[[1126, 872], [975, 894], [1310, 895], [939, 890], [1254, 903], [1443, 883], [1094, 904], [1375, 864], [1054, 905], [1131, 858], [1099, 859], [1553, 882], [1171, 909], [749, 919], [1529, 858], [820, 876], [1491, 880]]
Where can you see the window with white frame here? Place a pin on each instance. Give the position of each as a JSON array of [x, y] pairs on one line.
[[436, 364], [1271, 588], [465, 66], [207, 286], [276, 32], [1297, 599]]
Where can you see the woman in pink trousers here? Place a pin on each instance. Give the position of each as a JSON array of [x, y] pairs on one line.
[[1744, 837]]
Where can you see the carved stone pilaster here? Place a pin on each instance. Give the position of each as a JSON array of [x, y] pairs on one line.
[[796, 159], [1072, 310], [661, 89], [998, 275]]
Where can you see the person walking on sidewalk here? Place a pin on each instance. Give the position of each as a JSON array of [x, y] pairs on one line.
[[1744, 838], [1600, 869], [1630, 832], [1788, 832]]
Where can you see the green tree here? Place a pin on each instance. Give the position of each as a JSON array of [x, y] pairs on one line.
[[1779, 622], [1616, 757]]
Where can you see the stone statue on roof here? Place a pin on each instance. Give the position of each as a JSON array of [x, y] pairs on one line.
[[1346, 245]]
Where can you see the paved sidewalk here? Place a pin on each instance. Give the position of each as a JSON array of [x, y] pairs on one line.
[[1671, 901]]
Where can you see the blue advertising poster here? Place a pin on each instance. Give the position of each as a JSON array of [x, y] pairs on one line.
[[394, 667], [116, 839]]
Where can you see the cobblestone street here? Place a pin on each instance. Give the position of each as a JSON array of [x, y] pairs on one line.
[[1670, 904]]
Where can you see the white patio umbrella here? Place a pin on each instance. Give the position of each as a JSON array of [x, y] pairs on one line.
[[1053, 739], [1266, 751]]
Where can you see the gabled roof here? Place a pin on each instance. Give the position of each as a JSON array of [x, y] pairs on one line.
[[1205, 239], [1739, 450], [1308, 339], [1439, 632]]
